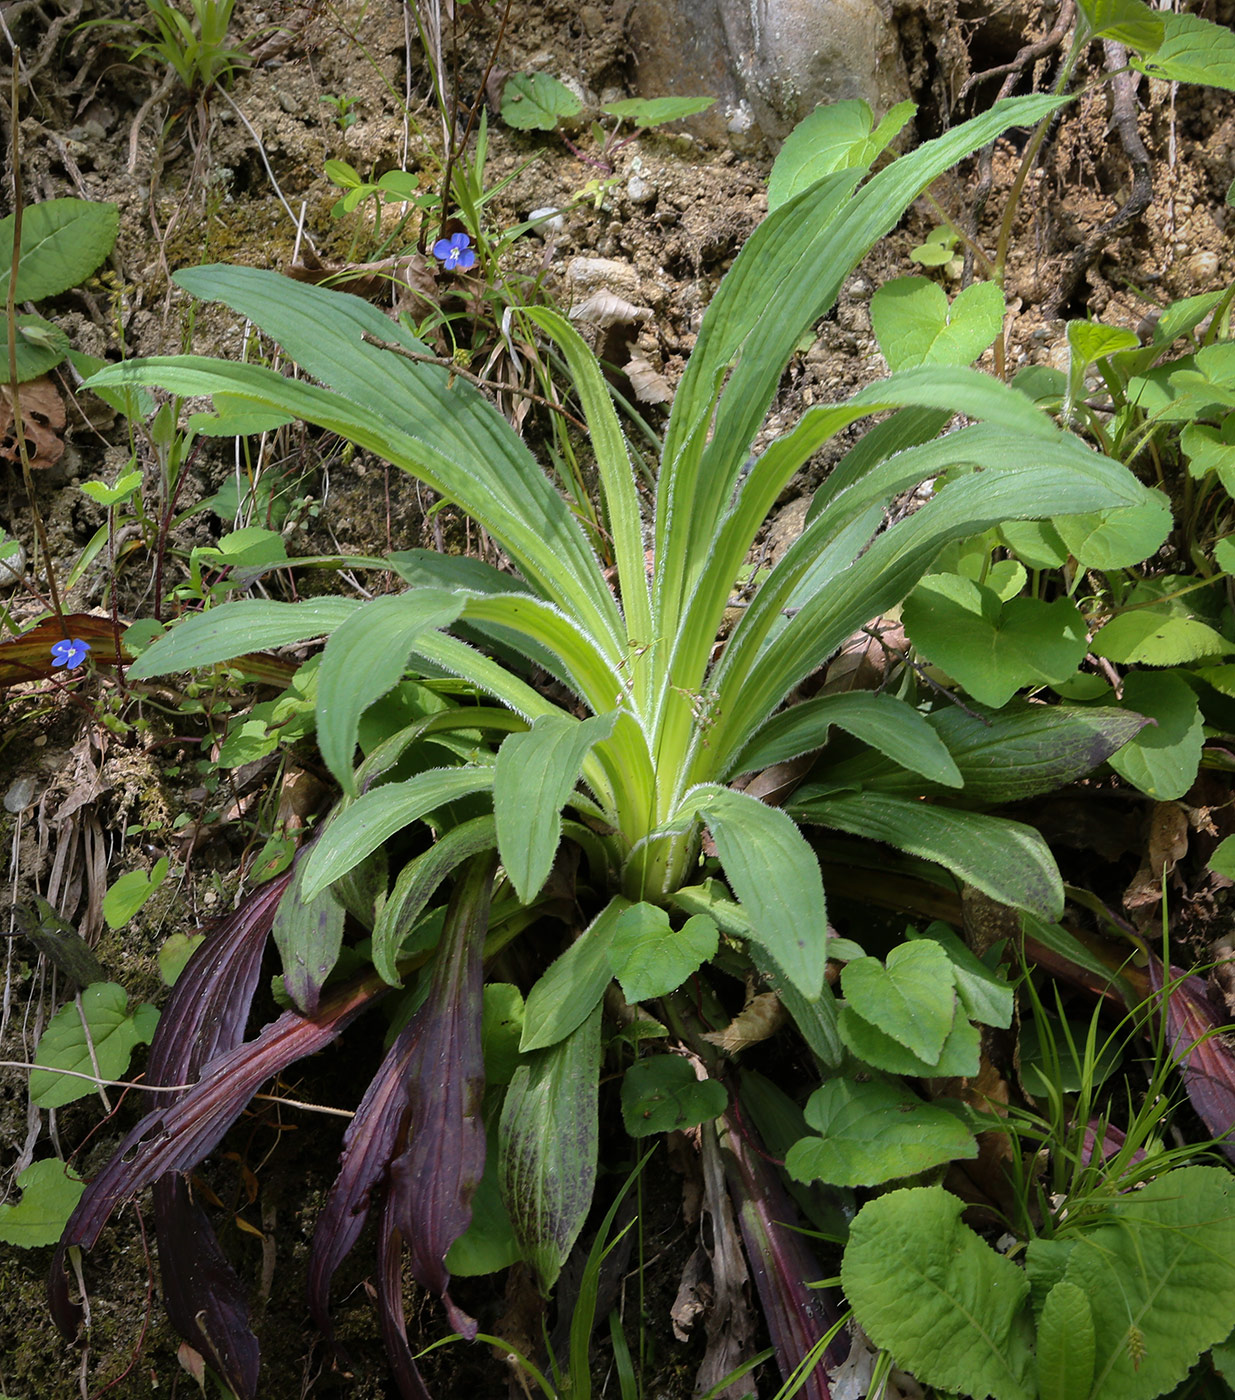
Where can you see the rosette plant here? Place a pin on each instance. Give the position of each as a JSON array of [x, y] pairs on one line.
[[587, 798]]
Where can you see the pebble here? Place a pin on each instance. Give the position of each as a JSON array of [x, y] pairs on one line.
[[19, 796], [639, 190], [552, 222], [1203, 267]]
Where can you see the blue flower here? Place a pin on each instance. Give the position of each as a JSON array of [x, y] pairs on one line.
[[69, 654], [455, 253]]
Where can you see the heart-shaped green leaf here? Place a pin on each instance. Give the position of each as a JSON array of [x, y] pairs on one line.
[[989, 647], [912, 999], [915, 325]]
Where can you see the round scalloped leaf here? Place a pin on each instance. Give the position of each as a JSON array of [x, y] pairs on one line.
[[537, 102], [1162, 760], [662, 1093], [49, 1194], [1117, 539], [874, 1132], [945, 1305], [1159, 1278]]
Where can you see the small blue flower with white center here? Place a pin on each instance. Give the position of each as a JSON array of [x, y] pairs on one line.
[[455, 253], [69, 654]]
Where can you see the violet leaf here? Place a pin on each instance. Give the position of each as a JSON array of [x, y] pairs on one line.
[[433, 1180]]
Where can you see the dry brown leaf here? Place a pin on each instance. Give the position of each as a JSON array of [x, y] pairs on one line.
[[604, 308], [731, 1319], [649, 384], [759, 1019], [866, 660], [42, 417], [1166, 845]]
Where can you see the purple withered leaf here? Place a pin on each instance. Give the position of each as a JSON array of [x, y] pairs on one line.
[[204, 1299], [390, 1307], [209, 1006], [1206, 1065], [435, 1176], [176, 1137], [368, 1145], [204, 1016], [780, 1259]]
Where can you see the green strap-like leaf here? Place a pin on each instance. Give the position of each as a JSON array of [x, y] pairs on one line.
[[787, 912], [574, 983], [418, 882], [233, 629], [534, 775], [1006, 860], [364, 659], [547, 1148], [784, 279], [886, 572], [885, 723], [308, 934], [378, 815]]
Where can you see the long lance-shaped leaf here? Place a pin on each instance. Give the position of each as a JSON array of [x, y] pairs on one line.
[[1005, 755], [322, 331], [617, 479], [205, 1301], [887, 571], [798, 578], [788, 914], [378, 814], [365, 658], [233, 629], [588, 668], [1013, 432], [433, 1180], [418, 882], [785, 278], [544, 543], [177, 1137], [371, 1140], [798, 1316], [308, 934], [898, 731], [390, 1307], [1006, 860], [534, 775], [1204, 1059], [205, 1016], [548, 1138]]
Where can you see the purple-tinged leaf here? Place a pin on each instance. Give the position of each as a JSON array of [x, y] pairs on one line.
[[206, 1016], [205, 1300], [209, 1005], [390, 1307], [308, 934], [176, 1137], [368, 1145], [433, 1180], [780, 1260], [1205, 1062]]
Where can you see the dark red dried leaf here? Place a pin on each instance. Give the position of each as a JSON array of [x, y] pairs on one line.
[[780, 1259], [435, 1176], [1206, 1064], [176, 1137]]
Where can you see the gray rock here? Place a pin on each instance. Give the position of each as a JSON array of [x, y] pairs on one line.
[[770, 62]]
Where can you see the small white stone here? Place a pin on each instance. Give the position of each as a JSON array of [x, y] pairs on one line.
[[548, 221], [13, 566]]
